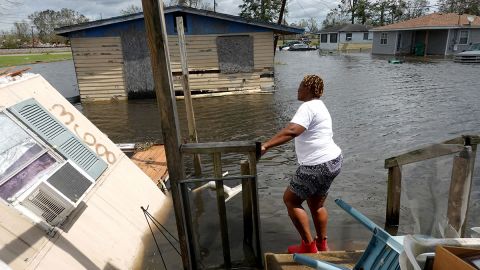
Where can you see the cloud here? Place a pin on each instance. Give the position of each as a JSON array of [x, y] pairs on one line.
[[96, 9]]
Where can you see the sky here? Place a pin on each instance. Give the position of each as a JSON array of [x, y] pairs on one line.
[[17, 10]]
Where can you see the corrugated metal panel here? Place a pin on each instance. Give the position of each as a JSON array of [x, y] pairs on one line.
[[99, 67], [39, 120]]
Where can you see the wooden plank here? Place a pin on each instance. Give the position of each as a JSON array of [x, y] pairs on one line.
[[458, 196], [428, 152], [157, 40], [192, 129], [152, 162], [346, 259], [99, 58], [105, 78], [221, 147], [394, 191], [81, 50]]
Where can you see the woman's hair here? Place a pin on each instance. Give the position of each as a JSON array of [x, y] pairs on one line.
[[315, 84]]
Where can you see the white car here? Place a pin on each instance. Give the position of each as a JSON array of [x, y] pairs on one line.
[[472, 55]]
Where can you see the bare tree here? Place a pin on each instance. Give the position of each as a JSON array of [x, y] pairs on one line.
[[22, 31], [47, 20], [132, 9]]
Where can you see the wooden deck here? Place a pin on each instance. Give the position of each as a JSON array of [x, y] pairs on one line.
[[285, 261], [152, 162]]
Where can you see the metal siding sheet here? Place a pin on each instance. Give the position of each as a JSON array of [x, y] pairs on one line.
[[86, 59]]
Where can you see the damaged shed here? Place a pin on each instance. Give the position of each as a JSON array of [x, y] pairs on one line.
[[226, 54]]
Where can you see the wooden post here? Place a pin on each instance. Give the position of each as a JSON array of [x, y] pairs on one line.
[[394, 190], [192, 129], [472, 168], [252, 159], [157, 41], [247, 212], [459, 193], [222, 211]]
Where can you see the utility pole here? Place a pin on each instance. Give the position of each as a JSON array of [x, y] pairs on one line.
[[214, 5], [154, 19], [279, 22], [33, 41]]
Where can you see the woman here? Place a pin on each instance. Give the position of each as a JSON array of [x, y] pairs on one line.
[[320, 161]]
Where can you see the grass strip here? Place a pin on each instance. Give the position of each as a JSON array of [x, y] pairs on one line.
[[26, 59]]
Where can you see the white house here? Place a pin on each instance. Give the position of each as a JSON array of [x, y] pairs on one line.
[[346, 37]]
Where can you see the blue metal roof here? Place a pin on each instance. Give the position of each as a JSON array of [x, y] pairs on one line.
[[205, 22]]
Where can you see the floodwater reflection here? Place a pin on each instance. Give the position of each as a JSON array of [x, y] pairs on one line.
[[379, 110]]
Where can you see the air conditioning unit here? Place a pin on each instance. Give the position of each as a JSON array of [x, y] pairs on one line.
[[57, 195]]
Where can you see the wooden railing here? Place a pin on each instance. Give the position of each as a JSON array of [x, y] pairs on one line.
[[465, 148], [248, 176]]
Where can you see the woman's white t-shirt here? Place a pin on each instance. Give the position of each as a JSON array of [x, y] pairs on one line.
[[315, 145]]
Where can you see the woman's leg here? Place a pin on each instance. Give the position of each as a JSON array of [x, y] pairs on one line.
[[298, 215], [319, 215]]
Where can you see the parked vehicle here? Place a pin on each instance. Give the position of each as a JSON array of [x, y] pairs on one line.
[[301, 47], [472, 55], [288, 44]]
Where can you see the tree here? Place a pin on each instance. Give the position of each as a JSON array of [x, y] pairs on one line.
[[261, 10], [310, 25], [471, 7], [47, 20], [334, 17], [22, 31], [132, 9], [200, 4], [416, 8]]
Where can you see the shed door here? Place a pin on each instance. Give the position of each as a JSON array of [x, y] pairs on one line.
[[99, 67]]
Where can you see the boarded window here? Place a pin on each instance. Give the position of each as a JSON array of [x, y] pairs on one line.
[[333, 38], [235, 54], [323, 38]]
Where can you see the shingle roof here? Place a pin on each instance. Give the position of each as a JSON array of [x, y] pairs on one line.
[[433, 21], [275, 27], [346, 28]]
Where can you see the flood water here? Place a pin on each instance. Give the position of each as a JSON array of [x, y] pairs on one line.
[[379, 110]]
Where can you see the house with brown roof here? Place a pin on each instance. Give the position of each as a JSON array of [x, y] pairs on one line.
[[433, 34], [345, 37]]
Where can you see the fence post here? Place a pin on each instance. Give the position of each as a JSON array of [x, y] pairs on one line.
[[247, 212], [458, 196], [394, 190], [252, 159], [222, 212]]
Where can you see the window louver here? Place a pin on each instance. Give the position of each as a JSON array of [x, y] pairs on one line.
[[40, 121], [50, 207]]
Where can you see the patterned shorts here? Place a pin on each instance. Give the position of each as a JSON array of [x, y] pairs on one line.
[[316, 179]]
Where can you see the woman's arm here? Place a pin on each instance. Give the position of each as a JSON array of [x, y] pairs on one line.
[[286, 134]]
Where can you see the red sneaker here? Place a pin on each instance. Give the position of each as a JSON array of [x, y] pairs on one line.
[[303, 248], [322, 244]]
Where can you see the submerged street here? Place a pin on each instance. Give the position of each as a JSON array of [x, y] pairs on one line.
[[379, 110]]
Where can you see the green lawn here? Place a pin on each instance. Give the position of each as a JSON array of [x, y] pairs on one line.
[[25, 59]]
